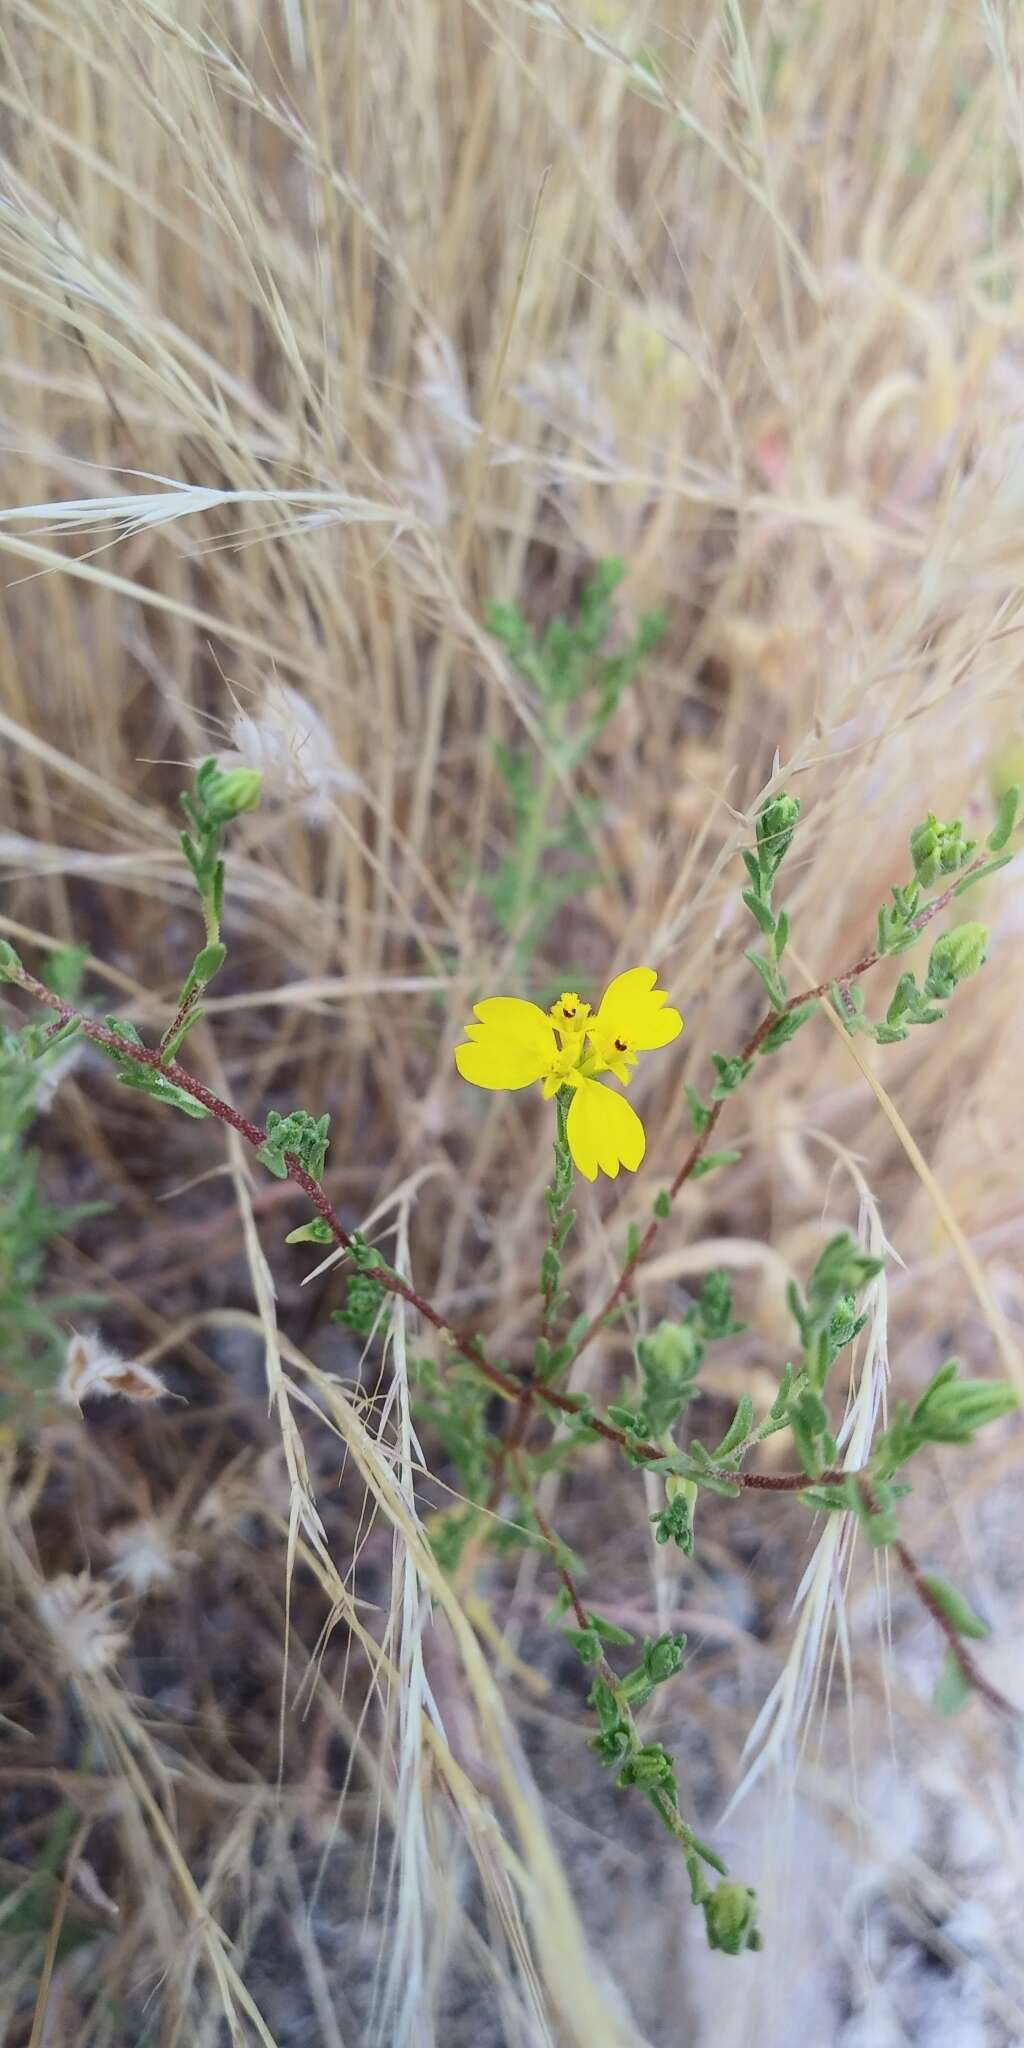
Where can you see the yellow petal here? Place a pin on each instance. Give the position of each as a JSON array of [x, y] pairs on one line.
[[633, 1009], [511, 1045], [604, 1131]]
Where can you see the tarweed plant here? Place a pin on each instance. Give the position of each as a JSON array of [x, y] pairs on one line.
[[501, 1421]]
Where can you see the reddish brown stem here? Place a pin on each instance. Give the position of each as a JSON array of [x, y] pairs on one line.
[[142, 1056], [970, 1671]]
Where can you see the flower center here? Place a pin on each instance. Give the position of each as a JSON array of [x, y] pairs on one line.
[[569, 1017]]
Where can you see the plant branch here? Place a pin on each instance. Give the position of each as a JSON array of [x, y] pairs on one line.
[[751, 1048], [255, 1136], [962, 1657]]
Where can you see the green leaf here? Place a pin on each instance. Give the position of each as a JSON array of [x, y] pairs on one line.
[[605, 1705], [760, 912], [1006, 818], [731, 1074], [953, 1688], [10, 964], [316, 1231], [699, 1113], [208, 962], [787, 1026], [991, 867], [610, 1632], [662, 1204], [951, 1409], [711, 1160], [955, 1608], [781, 934], [848, 1003], [147, 1080], [775, 987], [739, 1429], [840, 1270], [586, 1642]]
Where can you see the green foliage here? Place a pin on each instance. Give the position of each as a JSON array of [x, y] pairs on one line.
[[454, 1404], [576, 687], [776, 824], [898, 927], [958, 1612], [937, 851], [28, 1908], [1006, 819], [828, 1321], [670, 1359], [700, 1114], [730, 1916], [449, 1534], [826, 1317], [786, 1027], [562, 1217], [147, 1080], [216, 797], [577, 684], [32, 1336], [953, 1688], [954, 958], [730, 1074], [949, 1412], [299, 1135], [367, 1303], [709, 1162], [316, 1231]]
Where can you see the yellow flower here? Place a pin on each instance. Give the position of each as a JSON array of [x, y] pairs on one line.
[[513, 1043]]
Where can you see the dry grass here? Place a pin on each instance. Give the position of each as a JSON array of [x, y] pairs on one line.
[[322, 325]]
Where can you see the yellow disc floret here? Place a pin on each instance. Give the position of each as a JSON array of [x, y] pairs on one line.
[[569, 1016]]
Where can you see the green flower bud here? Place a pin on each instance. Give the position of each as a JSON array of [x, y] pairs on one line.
[[938, 849], [776, 824], [730, 1914], [649, 1768], [954, 958], [227, 793], [663, 1658], [674, 1524]]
